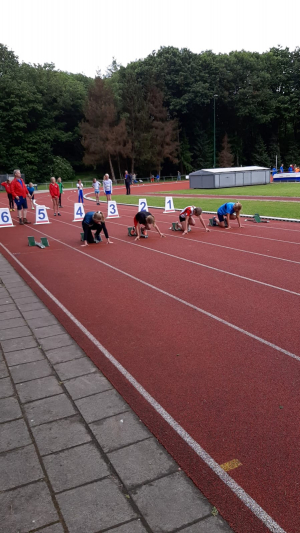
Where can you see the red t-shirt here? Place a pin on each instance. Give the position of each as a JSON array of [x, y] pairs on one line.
[[187, 212], [7, 187], [18, 188], [54, 190]]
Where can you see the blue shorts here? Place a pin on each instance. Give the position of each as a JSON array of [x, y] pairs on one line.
[[22, 202], [220, 217], [107, 192], [97, 192]]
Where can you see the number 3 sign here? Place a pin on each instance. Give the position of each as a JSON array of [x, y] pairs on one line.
[[112, 210], [5, 218]]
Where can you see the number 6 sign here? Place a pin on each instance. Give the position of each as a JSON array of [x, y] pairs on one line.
[[41, 215], [112, 210], [5, 218]]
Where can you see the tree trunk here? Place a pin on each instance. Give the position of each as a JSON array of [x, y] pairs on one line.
[[119, 166], [111, 168], [132, 165]]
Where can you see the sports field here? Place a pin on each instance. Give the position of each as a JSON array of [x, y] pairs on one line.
[[199, 334]]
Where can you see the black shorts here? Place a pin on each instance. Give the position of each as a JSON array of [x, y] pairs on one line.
[[181, 218]]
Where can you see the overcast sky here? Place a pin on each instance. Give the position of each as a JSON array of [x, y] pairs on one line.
[[84, 36]]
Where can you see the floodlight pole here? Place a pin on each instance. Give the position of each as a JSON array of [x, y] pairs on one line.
[[215, 95]]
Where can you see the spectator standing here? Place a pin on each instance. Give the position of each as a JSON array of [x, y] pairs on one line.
[[7, 186], [19, 193], [60, 185], [107, 187], [291, 168], [274, 171], [178, 176], [281, 169], [157, 177], [96, 187], [30, 189], [127, 182], [80, 191], [54, 191]]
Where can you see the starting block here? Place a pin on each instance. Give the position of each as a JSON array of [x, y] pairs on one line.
[[212, 222], [82, 238], [132, 232], [256, 218], [174, 227], [43, 244]]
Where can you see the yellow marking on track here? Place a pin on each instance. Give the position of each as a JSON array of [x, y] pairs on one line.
[[231, 465]]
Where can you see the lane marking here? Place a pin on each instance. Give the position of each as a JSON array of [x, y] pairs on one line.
[[258, 511], [231, 465]]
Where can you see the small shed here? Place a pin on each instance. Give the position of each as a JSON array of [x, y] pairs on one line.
[[216, 178]]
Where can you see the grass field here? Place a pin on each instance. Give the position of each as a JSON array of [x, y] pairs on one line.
[[272, 189], [250, 207]]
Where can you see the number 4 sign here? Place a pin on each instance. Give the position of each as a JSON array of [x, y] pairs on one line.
[[78, 212], [5, 218], [112, 210], [41, 215]]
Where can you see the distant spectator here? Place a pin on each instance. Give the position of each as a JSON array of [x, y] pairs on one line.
[[107, 187], [54, 191], [60, 185], [19, 192], [274, 171], [7, 186], [157, 177], [152, 178], [281, 169], [178, 176], [134, 180], [80, 191], [127, 178], [297, 169], [30, 189], [291, 168]]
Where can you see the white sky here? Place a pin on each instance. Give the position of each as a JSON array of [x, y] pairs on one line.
[[84, 36]]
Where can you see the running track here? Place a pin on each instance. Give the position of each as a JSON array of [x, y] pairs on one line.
[[206, 328]]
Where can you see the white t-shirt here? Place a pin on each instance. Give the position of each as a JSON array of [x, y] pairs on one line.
[[96, 185], [107, 185], [79, 186]]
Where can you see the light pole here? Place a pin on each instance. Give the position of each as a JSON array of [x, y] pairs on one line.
[[215, 95]]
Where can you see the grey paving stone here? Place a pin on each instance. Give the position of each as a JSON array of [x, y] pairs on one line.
[[49, 409], [94, 507], [13, 435], [67, 353], [86, 385], [9, 315], [3, 293], [27, 300], [38, 389], [6, 388], [24, 356], [15, 333], [212, 524], [142, 462], [48, 331], [55, 528], [50, 343], [74, 467], [41, 321], [3, 370], [26, 508], [178, 495], [132, 527], [29, 371], [101, 405], [5, 300], [19, 289], [7, 308], [60, 435], [77, 367], [118, 431], [29, 306], [19, 467], [40, 312], [12, 345], [9, 409], [11, 323]]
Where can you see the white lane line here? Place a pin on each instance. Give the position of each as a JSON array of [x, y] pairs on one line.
[[177, 299], [229, 482]]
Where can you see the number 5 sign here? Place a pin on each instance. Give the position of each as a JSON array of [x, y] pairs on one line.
[[112, 210], [41, 215], [5, 218]]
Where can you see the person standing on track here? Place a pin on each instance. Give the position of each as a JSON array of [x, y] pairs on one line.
[[146, 220], [127, 182], [228, 211], [54, 191], [96, 187], [19, 192], [80, 191], [60, 185], [30, 189], [186, 218], [7, 186], [107, 187], [94, 221]]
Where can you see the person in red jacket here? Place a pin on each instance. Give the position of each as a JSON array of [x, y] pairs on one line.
[[7, 187], [19, 192], [54, 191]]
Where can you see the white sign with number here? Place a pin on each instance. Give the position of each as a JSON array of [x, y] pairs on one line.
[[112, 209], [41, 215], [5, 218], [78, 212], [169, 205], [143, 204]]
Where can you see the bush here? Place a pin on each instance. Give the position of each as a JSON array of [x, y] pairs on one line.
[[61, 168]]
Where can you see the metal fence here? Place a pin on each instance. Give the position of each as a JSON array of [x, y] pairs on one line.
[[88, 183]]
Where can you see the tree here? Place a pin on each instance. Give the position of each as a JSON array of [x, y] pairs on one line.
[[226, 157], [260, 155]]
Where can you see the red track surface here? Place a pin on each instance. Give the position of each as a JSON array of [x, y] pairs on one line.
[[235, 395]]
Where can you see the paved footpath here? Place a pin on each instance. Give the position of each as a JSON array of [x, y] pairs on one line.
[[73, 455]]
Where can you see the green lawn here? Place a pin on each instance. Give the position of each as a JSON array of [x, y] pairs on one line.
[[272, 189], [250, 207]]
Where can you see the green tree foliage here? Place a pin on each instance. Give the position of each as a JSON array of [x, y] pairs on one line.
[[61, 168], [226, 157]]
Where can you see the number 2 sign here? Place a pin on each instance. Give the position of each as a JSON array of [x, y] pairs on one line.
[[41, 215], [5, 218], [112, 209], [143, 206]]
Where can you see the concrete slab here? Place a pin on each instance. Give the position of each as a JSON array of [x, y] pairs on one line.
[[26, 300], [118, 431], [29, 371], [50, 343], [48, 331], [131, 527], [66, 353], [31, 306], [5, 301], [7, 308], [87, 385], [26, 508], [77, 367], [42, 321], [11, 323], [15, 333], [9, 409], [55, 528], [94, 507], [14, 435], [40, 312], [178, 495], [60, 435], [6, 388], [49, 409], [3, 370], [8, 315], [19, 467], [212, 524], [12, 345], [24, 356], [101, 405], [74, 467], [38, 389]]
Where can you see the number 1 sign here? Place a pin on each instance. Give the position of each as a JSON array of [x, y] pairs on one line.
[[112, 209], [78, 212], [169, 205], [41, 215], [5, 218]]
